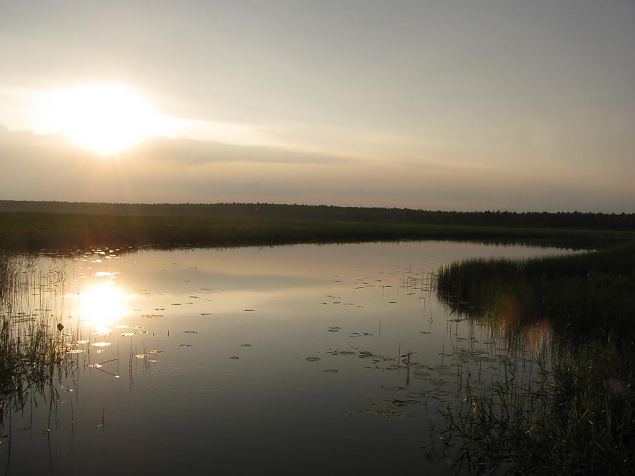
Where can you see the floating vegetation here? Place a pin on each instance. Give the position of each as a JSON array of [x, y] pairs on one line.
[[134, 331], [341, 352], [386, 408], [394, 387], [102, 344], [360, 334], [421, 374]]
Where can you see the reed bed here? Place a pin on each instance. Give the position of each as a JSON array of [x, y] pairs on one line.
[[31, 345], [581, 295], [579, 416], [51, 232]]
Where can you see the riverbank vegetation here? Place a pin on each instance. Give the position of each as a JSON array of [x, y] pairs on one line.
[[31, 346], [33, 232], [579, 417], [579, 294]]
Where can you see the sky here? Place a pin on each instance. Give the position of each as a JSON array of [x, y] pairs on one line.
[[450, 104]]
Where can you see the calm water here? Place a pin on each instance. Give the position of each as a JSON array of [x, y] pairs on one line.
[[251, 361]]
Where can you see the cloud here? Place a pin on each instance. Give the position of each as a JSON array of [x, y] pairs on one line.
[[196, 152], [40, 167]]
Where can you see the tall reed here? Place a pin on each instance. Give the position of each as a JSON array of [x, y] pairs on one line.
[[31, 347], [578, 417]]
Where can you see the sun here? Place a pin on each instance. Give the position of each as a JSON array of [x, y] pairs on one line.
[[103, 118]]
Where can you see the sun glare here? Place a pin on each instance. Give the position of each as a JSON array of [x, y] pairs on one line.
[[104, 118], [102, 305]]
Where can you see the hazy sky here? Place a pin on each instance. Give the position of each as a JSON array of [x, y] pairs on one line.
[[472, 104]]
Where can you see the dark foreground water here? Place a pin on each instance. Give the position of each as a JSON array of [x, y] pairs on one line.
[[308, 360]]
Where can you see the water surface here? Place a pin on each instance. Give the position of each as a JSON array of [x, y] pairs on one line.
[[299, 359]]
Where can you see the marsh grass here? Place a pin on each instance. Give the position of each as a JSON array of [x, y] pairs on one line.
[[575, 418], [31, 347], [578, 416], [580, 295], [29, 232]]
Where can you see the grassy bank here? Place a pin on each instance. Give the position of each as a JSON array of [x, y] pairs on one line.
[[580, 295], [24, 232], [580, 418]]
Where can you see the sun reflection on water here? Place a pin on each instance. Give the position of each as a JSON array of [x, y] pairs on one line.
[[102, 305]]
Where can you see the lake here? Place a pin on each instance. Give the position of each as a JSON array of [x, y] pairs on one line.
[[303, 359]]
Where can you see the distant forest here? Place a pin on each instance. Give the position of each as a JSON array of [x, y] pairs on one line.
[[267, 211]]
